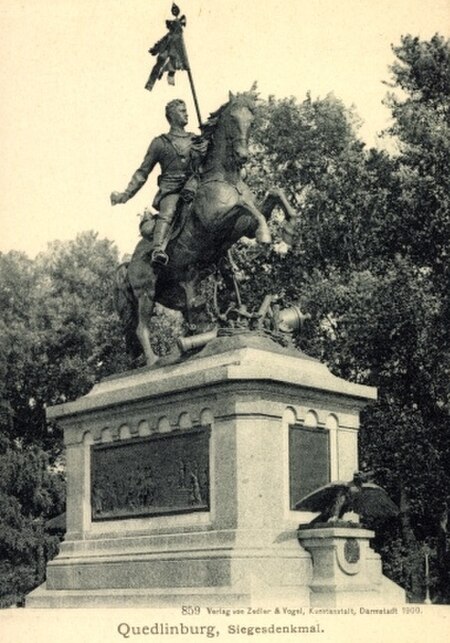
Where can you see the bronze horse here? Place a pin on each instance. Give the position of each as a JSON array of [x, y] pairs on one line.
[[222, 211]]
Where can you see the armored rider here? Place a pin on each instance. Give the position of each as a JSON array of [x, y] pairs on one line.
[[176, 154]]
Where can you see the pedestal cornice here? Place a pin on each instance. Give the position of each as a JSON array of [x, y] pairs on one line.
[[224, 361]]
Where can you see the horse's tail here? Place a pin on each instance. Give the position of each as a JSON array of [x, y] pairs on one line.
[[126, 306]]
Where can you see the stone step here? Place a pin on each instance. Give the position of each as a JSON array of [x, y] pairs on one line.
[[42, 597]]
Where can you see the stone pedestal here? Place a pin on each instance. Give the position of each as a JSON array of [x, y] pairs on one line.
[[346, 571], [199, 478]]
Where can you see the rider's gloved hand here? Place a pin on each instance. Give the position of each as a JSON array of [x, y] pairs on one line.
[[118, 197]]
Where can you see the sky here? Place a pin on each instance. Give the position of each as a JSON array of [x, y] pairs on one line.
[[76, 120]]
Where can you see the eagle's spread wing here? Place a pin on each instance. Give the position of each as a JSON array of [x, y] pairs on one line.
[[321, 498], [373, 502]]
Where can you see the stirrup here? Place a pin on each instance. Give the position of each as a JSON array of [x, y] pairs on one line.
[[159, 257]]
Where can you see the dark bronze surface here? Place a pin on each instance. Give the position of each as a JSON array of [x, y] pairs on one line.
[[160, 474], [360, 496], [219, 211], [309, 461]]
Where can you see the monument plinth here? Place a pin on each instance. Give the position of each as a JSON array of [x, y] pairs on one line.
[[346, 571], [181, 479]]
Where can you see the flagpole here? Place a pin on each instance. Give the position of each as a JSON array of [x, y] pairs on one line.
[[191, 81]]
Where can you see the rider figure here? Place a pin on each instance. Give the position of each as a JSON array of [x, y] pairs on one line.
[[174, 152]]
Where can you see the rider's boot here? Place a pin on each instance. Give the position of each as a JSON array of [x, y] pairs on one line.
[[159, 256], [189, 189]]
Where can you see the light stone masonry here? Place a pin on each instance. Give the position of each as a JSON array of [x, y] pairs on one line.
[[245, 546]]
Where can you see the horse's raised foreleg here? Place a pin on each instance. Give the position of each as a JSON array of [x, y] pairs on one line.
[[262, 234], [145, 310], [277, 198]]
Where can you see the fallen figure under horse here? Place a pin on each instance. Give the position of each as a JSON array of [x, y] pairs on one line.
[[222, 211]]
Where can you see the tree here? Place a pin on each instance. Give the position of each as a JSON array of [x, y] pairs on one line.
[[370, 264], [31, 492], [59, 335], [421, 124], [59, 329]]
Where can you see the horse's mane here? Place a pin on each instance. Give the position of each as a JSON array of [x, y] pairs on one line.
[[246, 99], [209, 126]]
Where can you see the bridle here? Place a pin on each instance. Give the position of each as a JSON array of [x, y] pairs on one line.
[[233, 139]]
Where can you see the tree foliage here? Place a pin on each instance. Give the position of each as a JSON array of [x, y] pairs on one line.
[[59, 335], [31, 492], [370, 264], [60, 332], [420, 108]]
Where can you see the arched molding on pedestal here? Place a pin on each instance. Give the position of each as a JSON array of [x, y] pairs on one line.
[[184, 421], [124, 432], [311, 419], [164, 425], [143, 428], [206, 417], [106, 435]]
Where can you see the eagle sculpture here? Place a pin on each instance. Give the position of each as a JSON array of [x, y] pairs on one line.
[[359, 495]]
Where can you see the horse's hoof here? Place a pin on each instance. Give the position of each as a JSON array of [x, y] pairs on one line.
[[263, 236], [150, 359], [159, 258]]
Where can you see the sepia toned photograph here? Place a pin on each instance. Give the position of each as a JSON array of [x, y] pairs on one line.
[[224, 320]]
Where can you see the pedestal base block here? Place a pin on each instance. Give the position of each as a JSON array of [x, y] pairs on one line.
[[346, 571]]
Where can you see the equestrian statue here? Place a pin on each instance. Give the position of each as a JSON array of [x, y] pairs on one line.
[[204, 207]]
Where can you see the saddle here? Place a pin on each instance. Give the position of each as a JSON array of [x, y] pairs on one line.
[[148, 220]]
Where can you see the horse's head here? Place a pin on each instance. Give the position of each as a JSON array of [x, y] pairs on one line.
[[227, 131], [238, 116]]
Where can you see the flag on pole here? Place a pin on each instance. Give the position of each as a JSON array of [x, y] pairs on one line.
[[170, 51]]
